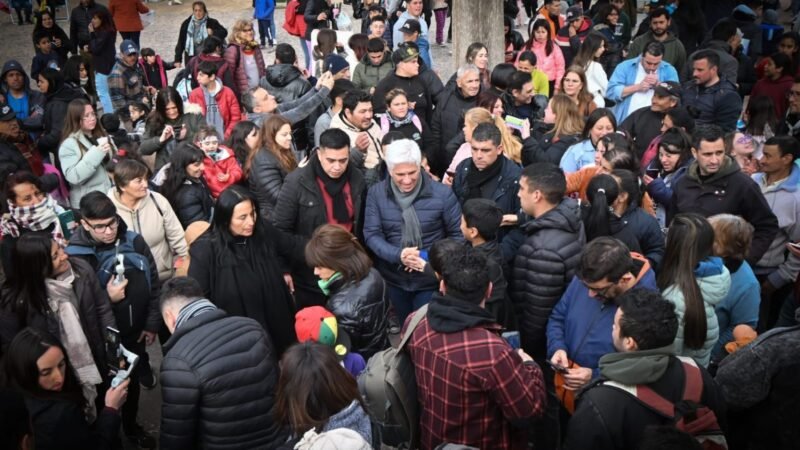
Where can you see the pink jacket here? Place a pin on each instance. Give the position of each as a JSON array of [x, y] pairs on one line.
[[553, 65]]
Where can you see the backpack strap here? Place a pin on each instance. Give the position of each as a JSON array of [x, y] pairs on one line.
[[153, 198], [415, 320], [693, 380]]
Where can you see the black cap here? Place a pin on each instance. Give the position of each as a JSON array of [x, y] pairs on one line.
[[667, 89], [411, 26], [7, 113]]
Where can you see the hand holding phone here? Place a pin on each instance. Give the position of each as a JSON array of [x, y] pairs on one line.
[[557, 367]]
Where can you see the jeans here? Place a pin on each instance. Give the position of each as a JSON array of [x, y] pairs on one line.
[[406, 302], [101, 84], [441, 17], [266, 30], [133, 36]]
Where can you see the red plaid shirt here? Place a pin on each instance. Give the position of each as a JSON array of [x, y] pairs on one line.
[[471, 385]]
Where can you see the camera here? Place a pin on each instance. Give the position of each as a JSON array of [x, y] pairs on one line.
[[121, 362]]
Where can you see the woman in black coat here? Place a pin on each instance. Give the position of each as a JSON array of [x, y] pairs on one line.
[[185, 187], [199, 26], [356, 291], [58, 95], [46, 25], [240, 262], [37, 367], [318, 15]]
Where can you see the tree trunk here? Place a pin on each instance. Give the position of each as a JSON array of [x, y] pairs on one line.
[[478, 21]]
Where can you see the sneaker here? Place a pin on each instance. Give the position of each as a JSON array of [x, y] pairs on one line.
[[149, 381], [141, 439], [177, 2]]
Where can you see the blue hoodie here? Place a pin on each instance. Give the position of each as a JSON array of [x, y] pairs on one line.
[[581, 325], [263, 9]]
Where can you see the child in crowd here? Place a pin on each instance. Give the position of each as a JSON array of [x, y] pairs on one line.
[[527, 63], [220, 168], [377, 27], [154, 70], [480, 222], [112, 125], [399, 117], [45, 56], [218, 103], [138, 112], [317, 324]]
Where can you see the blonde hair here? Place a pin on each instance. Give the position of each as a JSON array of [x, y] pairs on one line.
[[512, 148], [238, 26], [568, 118], [732, 236]]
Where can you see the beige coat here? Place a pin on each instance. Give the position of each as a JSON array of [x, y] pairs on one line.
[[373, 153], [161, 230]]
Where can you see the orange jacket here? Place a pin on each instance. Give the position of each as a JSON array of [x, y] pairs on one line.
[[126, 14], [577, 182]]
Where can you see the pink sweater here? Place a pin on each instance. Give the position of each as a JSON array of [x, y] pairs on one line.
[[553, 65]]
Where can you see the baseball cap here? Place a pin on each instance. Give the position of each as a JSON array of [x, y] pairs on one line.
[[667, 89], [317, 324], [7, 113], [574, 12], [411, 26], [404, 53], [128, 47], [335, 63]]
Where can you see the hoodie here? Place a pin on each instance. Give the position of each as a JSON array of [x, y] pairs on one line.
[[570, 45], [714, 281], [285, 82], [30, 107], [367, 75], [674, 53], [55, 112], [776, 90]]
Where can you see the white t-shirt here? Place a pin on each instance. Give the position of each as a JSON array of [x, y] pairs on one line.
[[640, 99]]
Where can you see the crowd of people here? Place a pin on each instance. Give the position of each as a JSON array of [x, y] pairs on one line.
[[594, 243]]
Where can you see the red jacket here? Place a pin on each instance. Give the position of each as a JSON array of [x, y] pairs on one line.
[[224, 163], [776, 90], [472, 386], [226, 100], [126, 14]]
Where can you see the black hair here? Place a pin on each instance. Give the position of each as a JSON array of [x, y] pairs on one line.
[[629, 183], [783, 62], [682, 118], [15, 420], [529, 56], [724, 30], [147, 51], [375, 45], [39, 35], [604, 257], [483, 215], [501, 74], [465, 275], [237, 140], [761, 115], [654, 48], [180, 288], [589, 47], [211, 44], [601, 192], [340, 88], [517, 80], [55, 81], [658, 12], [185, 154], [207, 67], [619, 151], [158, 117], [675, 141], [487, 131], [110, 122], [97, 206], [24, 291], [647, 318], [15, 179], [141, 106], [392, 136], [334, 138], [709, 55], [353, 97], [285, 53], [540, 23], [441, 251], [547, 178], [707, 133], [787, 145], [595, 117]]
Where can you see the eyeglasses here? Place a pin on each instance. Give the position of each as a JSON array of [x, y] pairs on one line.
[[103, 227], [601, 292]]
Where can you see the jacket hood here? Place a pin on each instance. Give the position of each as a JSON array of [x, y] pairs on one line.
[[790, 184], [566, 216], [715, 44], [639, 367], [280, 75], [714, 280], [387, 57], [13, 64], [729, 167], [65, 93], [744, 13], [352, 417], [447, 314]]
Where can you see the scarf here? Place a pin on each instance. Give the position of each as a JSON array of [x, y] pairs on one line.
[[193, 309], [477, 178], [62, 301], [397, 123], [325, 285], [412, 232], [791, 129], [196, 34], [334, 188], [34, 159], [36, 217], [639, 367]]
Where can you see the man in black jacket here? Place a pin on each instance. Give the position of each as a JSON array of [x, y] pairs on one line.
[[218, 377], [407, 76], [608, 414], [715, 98], [17, 151], [326, 190], [79, 20], [714, 184], [448, 118], [134, 300], [644, 124], [546, 261]]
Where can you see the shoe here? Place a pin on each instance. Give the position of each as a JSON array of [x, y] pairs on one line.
[[177, 2], [141, 439], [149, 382]]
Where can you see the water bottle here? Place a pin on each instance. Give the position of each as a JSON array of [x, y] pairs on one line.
[[740, 125], [120, 270]]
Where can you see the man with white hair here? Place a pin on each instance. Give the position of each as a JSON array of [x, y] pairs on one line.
[[405, 214], [448, 118]]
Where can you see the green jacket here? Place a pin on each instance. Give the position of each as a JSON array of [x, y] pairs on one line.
[[674, 53], [366, 75]]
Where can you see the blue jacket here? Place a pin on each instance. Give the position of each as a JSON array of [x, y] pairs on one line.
[[439, 217], [625, 75], [648, 232], [425, 51], [581, 325], [578, 156], [263, 9], [505, 192], [660, 190], [740, 306]]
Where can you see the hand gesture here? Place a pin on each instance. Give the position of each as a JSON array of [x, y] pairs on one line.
[[166, 134], [223, 177], [362, 141], [560, 358], [322, 16], [148, 336], [209, 31], [577, 378], [57, 42], [326, 80], [116, 292], [116, 396]]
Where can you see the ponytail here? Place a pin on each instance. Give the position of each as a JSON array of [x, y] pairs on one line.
[[602, 192]]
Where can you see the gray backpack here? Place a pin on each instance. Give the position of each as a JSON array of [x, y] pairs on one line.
[[389, 388]]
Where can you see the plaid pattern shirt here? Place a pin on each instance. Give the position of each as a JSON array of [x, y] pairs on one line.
[[472, 386]]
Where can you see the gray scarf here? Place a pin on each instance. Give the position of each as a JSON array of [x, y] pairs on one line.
[[196, 34], [412, 232], [193, 309]]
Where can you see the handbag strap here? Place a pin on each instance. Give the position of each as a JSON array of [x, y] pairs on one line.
[[415, 320]]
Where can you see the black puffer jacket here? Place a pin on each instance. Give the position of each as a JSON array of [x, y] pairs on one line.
[[548, 150], [285, 82], [543, 267], [55, 111], [60, 424], [719, 104], [362, 309], [265, 180], [193, 202], [218, 382], [448, 120]]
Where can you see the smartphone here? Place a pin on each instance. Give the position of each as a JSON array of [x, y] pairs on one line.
[[423, 254], [177, 129], [652, 173], [114, 358], [557, 367], [512, 337]]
